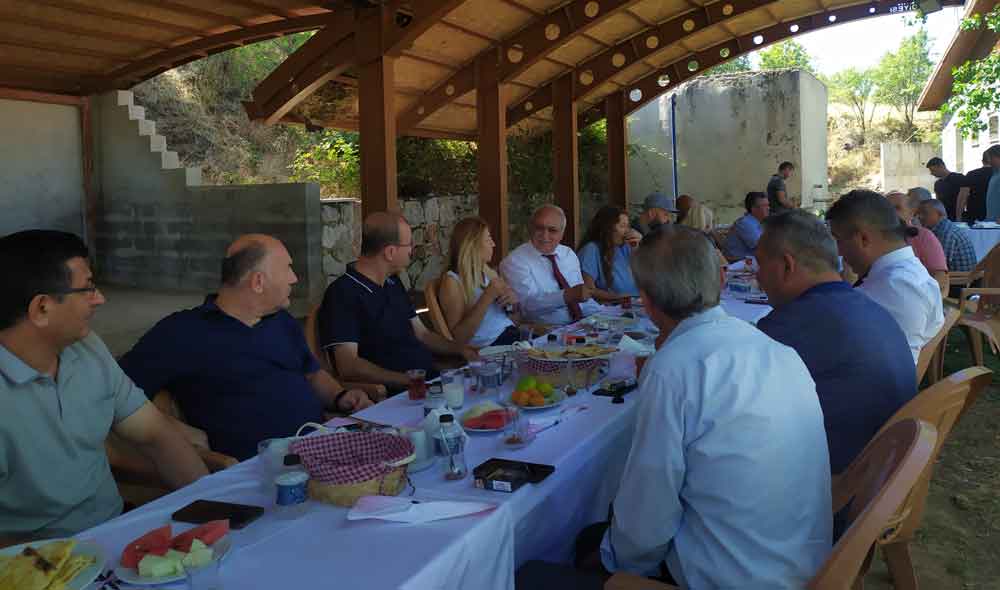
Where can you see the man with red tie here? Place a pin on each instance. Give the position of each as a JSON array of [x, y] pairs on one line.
[[546, 274]]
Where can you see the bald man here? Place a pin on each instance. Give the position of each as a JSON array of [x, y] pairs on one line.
[[238, 365], [367, 319]]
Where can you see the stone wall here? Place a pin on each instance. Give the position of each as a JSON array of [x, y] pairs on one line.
[[904, 166]]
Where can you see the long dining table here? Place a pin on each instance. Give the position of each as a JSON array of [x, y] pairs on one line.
[[322, 548]]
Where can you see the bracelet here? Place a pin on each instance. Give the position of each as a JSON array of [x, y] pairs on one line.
[[336, 400]]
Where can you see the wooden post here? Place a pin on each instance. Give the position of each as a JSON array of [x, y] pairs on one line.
[[614, 107], [565, 163], [377, 115], [491, 121], [89, 196]]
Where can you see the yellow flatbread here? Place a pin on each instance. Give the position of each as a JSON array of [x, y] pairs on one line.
[[57, 552], [27, 571], [73, 566]]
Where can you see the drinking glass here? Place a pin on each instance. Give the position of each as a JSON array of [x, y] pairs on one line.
[[417, 386], [454, 388], [489, 377], [525, 333]]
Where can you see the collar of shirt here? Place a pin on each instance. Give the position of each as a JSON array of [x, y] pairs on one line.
[[712, 314], [19, 373], [370, 285], [559, 252], [891, 259], [943, 226]]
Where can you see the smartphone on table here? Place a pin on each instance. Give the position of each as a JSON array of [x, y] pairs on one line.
[[202, 511]]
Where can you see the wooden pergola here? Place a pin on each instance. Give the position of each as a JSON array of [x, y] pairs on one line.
[[462, 69]]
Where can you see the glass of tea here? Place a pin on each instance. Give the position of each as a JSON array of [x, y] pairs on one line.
[[417, 386]]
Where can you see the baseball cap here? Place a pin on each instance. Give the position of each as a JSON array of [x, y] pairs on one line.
[[658, 200]]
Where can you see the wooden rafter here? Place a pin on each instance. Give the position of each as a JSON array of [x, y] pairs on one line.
[[59, 48], [46, 97], [593, 73], [118, 17], [210, 15], [12, 17], [519, 52]]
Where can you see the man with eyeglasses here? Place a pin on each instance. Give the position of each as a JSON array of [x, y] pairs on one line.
[[367, 318], [546, 275], [61, 393]]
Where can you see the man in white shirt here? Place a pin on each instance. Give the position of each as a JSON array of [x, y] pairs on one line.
[[728, 478], [546, 274], [871, 239]]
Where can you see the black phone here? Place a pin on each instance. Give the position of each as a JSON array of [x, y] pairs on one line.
[[617, 388], [202, 511]]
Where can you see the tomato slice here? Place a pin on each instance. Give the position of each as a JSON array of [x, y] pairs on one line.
[[208, 533], [156, 541]]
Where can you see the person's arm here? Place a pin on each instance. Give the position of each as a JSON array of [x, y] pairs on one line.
[[352, 367], [600, 294], [152, 434], [784, 199], [335, 396], [461, 319], [590, 268], [961, 202], [645, 523], [748, 233], [534, 302], [441, 345]]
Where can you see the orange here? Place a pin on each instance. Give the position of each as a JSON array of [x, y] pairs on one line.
[[537, 399]]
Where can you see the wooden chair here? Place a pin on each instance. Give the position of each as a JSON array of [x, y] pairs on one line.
[[375, 391], [875, 485], [980, 317], [137, 478], [940, 405], [932, 354], [438, 322]]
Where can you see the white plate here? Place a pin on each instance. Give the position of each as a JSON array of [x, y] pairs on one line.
[[131, 576], [86, 576], [496, 350], [562, 398], [467, 429]]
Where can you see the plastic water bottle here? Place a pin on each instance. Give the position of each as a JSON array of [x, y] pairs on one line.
[[435, 399], [291, 492], [452, 448]]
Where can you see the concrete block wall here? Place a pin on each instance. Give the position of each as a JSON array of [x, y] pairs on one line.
[[904, 166]]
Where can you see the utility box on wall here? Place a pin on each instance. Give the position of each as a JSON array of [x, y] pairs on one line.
[[732, 131]]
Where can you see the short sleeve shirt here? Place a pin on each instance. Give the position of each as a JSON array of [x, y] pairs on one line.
[[774, 186], [240, 384], [54, 475], [946, 190], [978, 181], [375, 317], [592, 264], [957, 246]]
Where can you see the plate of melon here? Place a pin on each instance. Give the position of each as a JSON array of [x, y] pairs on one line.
[[485, 417], [158, 557]]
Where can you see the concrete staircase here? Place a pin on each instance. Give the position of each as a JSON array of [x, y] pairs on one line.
[[157, 143]]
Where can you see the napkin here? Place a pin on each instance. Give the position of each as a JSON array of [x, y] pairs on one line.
[[986, 224], [396, 509], [634, 347]]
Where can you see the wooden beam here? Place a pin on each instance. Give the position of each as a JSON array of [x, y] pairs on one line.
[[44, 97], [593, 73], [90, 205], [614, 106], [11, 17], [377, 134], [491, 160], [143, 69], [50, 47], [565, 157], [119, 17], [518, 52]]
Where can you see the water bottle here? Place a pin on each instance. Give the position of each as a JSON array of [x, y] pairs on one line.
[[435, 399], [290, 487], [451, 441]]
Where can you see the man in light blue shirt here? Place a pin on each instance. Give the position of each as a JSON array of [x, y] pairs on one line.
[[728, 477], [745, 233]]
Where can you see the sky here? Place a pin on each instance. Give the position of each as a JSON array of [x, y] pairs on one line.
[[862, 43]]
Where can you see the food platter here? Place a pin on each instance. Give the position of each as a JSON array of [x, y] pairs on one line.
[[82, 550], [572, 353]]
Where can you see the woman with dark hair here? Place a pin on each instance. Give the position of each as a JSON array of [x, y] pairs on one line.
[[604, 256]]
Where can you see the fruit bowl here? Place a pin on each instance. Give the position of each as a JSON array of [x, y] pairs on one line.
[[559, 373]]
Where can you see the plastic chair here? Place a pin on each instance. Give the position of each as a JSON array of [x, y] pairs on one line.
[[932, 354], [980, 317], [374, 390], [875, 485], [940, 405], [438, 322]]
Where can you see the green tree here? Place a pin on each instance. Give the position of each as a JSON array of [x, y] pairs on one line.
[[900, 77], [735, 65], [976, 87], [855, 88], [788, 54]]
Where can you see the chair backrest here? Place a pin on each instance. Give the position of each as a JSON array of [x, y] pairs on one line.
[[951, 316], [990, 265], [434, 308], [875, 484], [312, 339]]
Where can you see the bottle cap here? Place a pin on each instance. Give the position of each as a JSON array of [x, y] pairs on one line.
[[292, 459], [446, 419]]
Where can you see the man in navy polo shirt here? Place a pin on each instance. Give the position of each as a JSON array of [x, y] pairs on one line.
[[239, 365], [854, 349], [367, 317]]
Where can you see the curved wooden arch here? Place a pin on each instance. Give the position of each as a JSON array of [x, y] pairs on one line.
[[652, 86], [516, 53], [594, 72]]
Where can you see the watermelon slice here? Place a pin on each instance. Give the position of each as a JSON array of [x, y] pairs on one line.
[[492, 420], [208, 533], [155, 542]]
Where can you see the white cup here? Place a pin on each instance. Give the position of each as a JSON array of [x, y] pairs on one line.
[[421, 446]]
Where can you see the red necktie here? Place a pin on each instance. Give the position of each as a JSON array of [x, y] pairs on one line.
[[574, 308]]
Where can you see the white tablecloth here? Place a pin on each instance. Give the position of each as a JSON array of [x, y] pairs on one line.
[[983, 241]]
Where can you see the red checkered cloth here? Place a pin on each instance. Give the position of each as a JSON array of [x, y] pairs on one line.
[[351, 457]]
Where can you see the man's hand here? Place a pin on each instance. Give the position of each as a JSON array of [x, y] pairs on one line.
[[469, 353], [353, 401], [578, 294], [632, 238]]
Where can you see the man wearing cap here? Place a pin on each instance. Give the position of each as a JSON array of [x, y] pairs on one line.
[[657, 209], [951, 188]]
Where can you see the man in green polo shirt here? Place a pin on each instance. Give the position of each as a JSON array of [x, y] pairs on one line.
[[61, 392]]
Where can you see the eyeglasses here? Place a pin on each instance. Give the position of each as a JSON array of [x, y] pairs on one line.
[[91, 291]]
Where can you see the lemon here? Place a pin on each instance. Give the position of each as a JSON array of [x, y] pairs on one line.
[[545, 389], [527, 383]]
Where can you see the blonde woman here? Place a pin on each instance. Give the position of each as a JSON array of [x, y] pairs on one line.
[[699, 217], [472, 295]]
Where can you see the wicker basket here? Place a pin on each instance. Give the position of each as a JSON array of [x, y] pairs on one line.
[[580, 373], [345, 466]]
